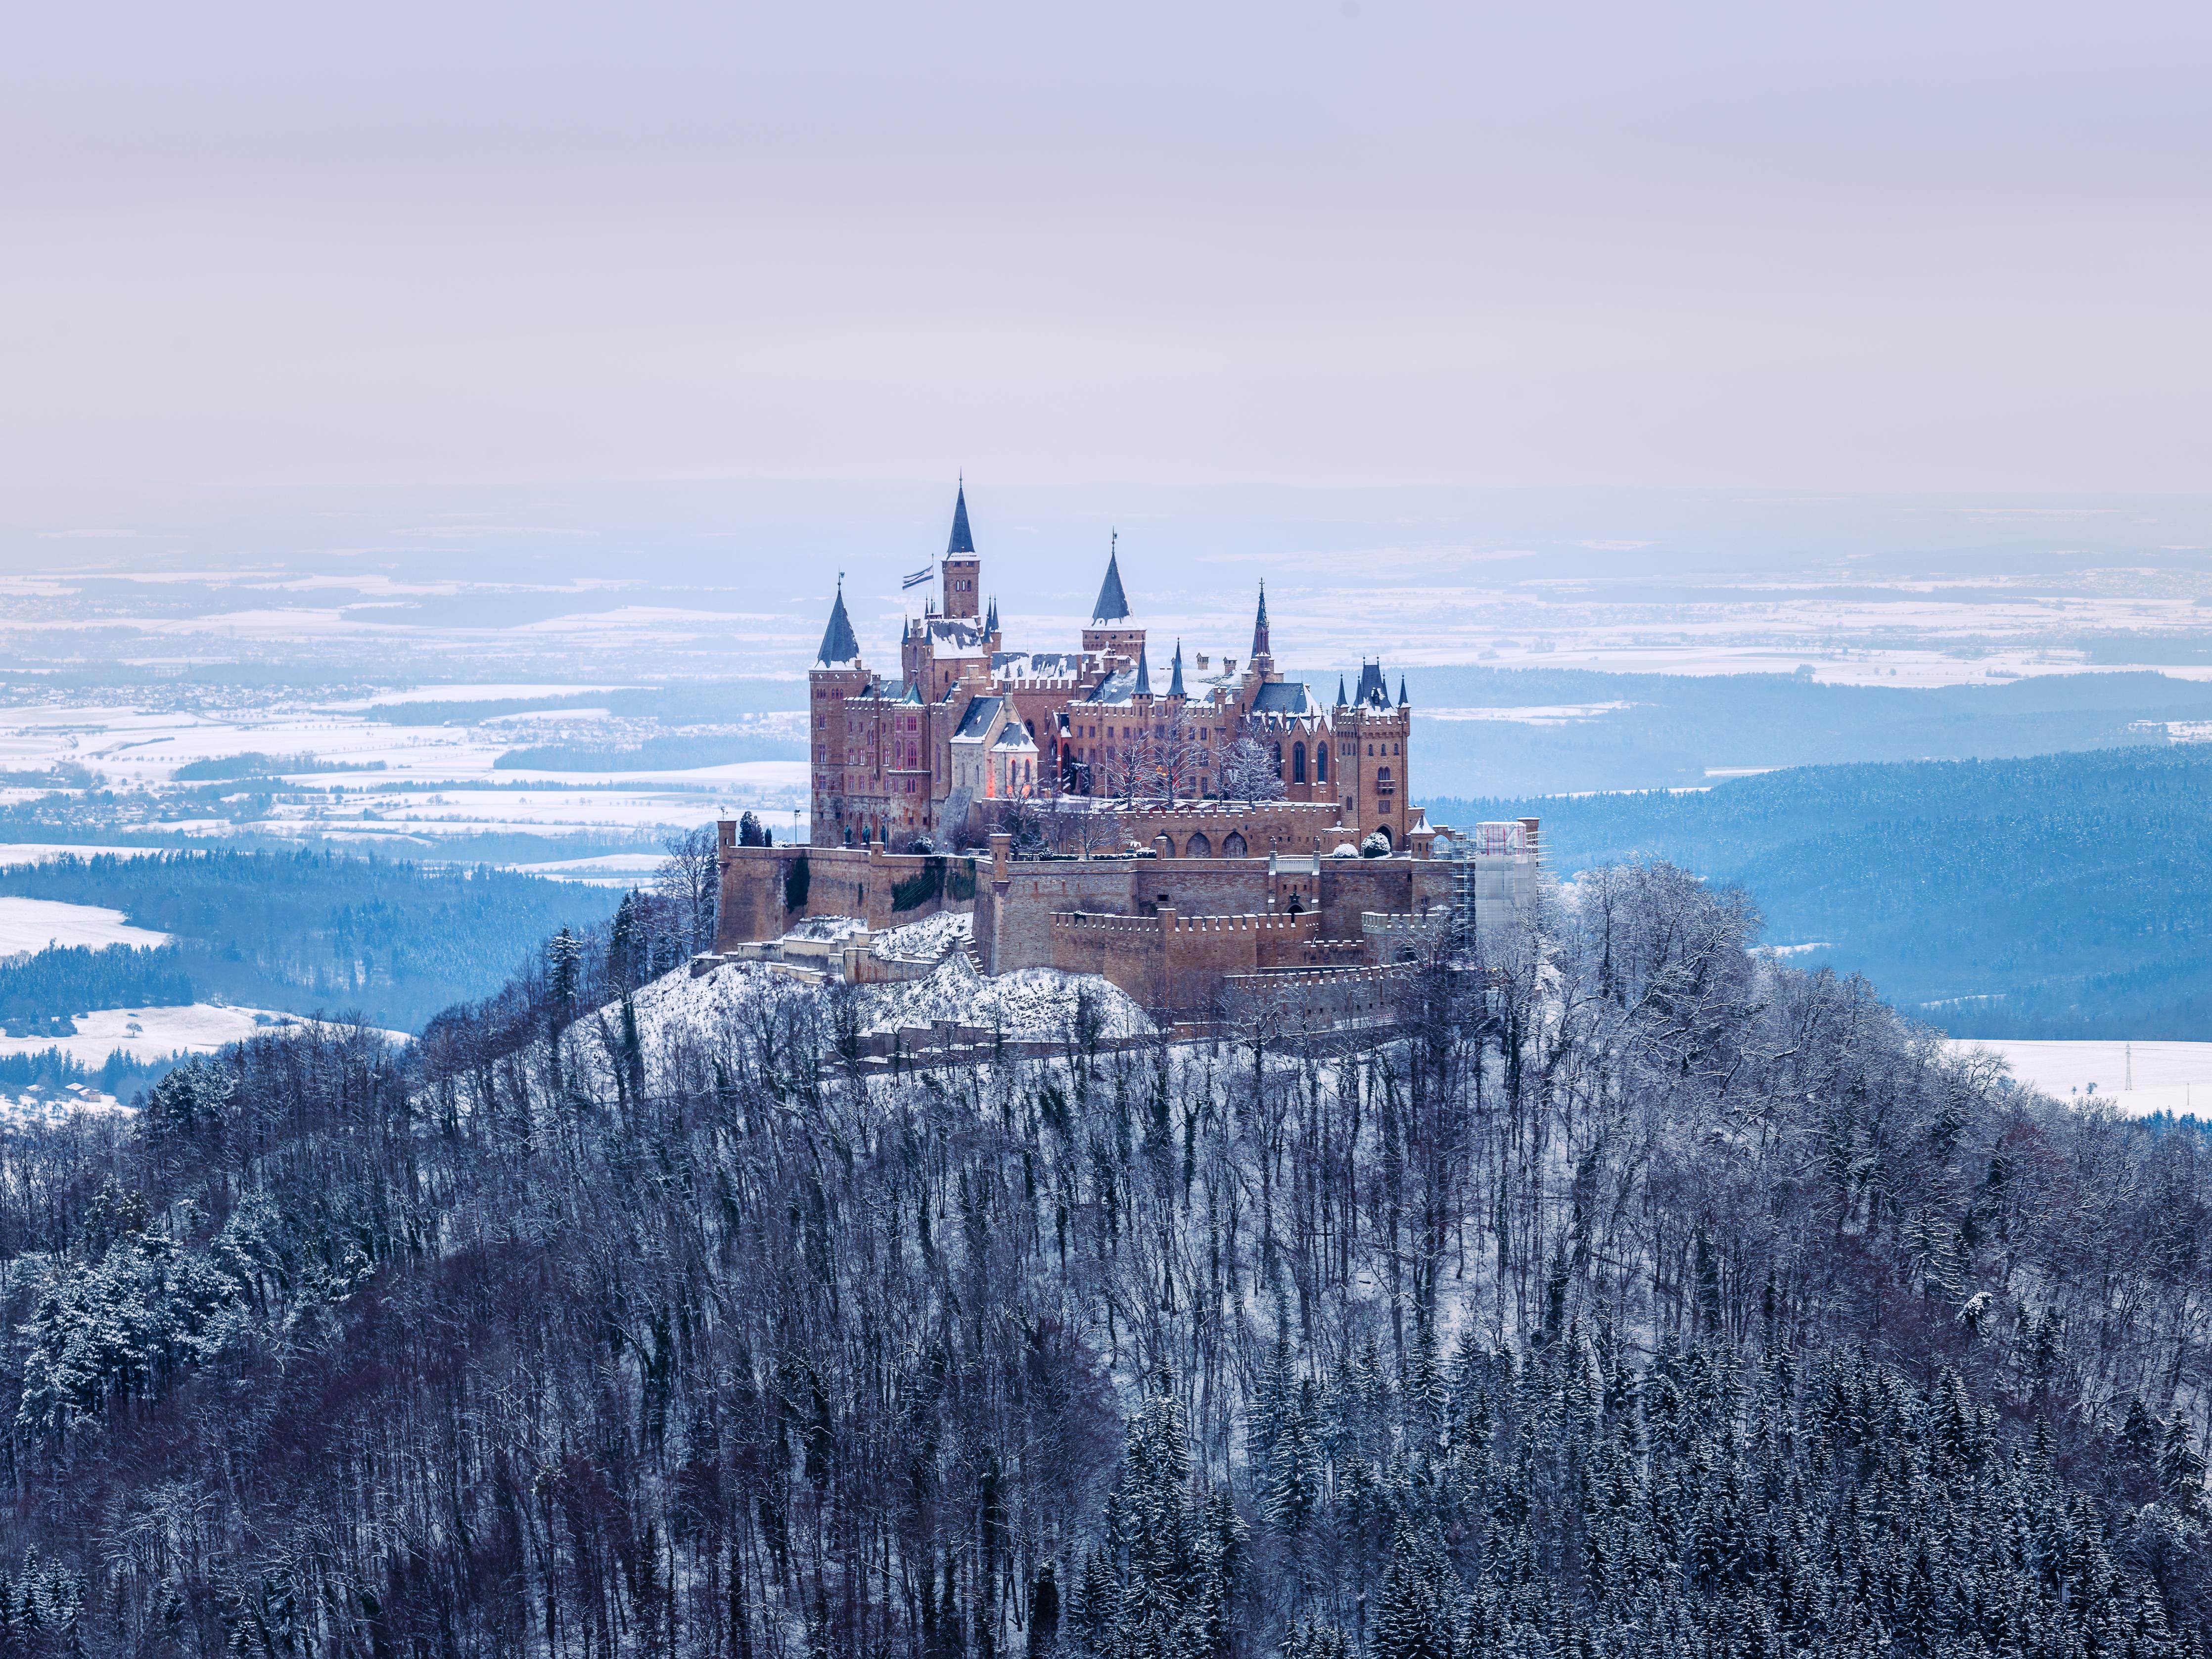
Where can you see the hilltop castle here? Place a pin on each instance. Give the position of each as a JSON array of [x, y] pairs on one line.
[[1259, 835], [968, 723]]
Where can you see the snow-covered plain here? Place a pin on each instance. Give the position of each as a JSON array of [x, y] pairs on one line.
[[2166, 1075], [198, 1028], [29, 924]]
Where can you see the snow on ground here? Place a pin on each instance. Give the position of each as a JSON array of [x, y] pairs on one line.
[[2166, 1075], [820, 927], [1029, 1005], [927, 939], [1035, 1005], [46, 852], [612, 869], [29, 924], [52, 1108], [156, 1033]]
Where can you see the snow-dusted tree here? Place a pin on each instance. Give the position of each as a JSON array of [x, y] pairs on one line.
[[564, 963], [690, 876], [1180, 762], [1251, 770], [1084, 827]]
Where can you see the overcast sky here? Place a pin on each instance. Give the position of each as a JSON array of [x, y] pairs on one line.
[[1866, 246]]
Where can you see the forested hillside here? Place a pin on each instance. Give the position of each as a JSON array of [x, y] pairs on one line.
[[2059, 896], [1640, 1296], [304, 932]]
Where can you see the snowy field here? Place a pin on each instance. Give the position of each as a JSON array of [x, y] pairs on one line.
[[156, 1033], [2166, 1076], [29, 924], [422, 783]]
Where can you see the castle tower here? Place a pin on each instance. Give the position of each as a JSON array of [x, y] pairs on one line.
[[1263, 658], [1372, 739], [837, 675], [964, 571], [1110, 634]]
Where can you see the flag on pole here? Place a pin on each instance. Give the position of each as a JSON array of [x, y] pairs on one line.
[[917, 578]]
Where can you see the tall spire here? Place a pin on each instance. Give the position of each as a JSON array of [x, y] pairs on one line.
[[1340, 692], [961, 541], [838, 644], [1144, 675], [1113, 604], [1260, 628], [1174, 682], [990, 621], [1402, 690]]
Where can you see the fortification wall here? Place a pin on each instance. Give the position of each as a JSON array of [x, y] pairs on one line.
[[757, 883], [1263, 826], [1172, 961], [1014, 914]]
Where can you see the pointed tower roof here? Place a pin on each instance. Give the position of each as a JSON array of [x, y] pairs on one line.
[[1113, 604], [1402, 690], [1259, 627], [1174, 682], [838, 644], [991, 620], [1340, 692], [1374, 692], [962, 542], [1144, 675]]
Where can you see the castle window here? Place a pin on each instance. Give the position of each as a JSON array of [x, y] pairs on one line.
[[1320, 763], [1297, 763]]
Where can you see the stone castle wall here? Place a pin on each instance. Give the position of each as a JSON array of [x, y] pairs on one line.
[[841, 881]]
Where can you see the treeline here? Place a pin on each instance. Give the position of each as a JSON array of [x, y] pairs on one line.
[[265, 768], [66, 980], [301, 932], [1637, 1296], [2060, 896]]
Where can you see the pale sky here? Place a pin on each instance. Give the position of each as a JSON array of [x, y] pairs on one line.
[[1873, 246]]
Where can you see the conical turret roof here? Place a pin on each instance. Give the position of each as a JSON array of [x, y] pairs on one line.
[[838, 644], [1113, 604], [961, 541], [1175, 681], [1144, 675], [1259, 647]]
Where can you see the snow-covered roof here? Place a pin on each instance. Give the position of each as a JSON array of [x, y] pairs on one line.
[[1115, 687], [1016, 736], [951, 638], [977, 719], [1283, 697]]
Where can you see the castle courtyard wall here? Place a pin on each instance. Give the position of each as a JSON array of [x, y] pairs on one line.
[[842, 881]]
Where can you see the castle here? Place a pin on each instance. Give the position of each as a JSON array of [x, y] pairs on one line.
[[1254, 831]]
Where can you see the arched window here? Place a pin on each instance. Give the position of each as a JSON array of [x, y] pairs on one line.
[[1198, 847], [1233, 847], [1320, 763], [1297, 763]]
